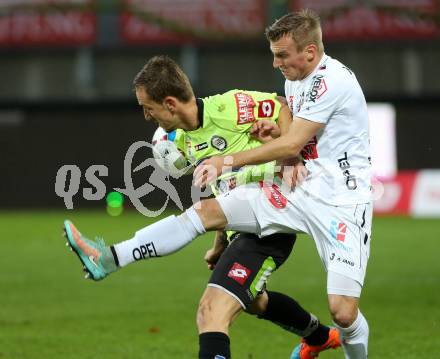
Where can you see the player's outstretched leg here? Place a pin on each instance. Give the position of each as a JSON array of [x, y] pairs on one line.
[[308, 351], [161, 238], [97, 259]]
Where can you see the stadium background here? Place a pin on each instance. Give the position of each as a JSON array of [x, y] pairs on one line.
[[66, 98]]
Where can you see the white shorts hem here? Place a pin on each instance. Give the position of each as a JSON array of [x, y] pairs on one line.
[[227, 291]]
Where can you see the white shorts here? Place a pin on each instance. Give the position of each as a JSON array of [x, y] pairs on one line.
[[341, 233]]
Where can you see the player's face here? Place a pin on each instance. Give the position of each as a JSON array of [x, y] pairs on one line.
[[157, 112], [291, 62]]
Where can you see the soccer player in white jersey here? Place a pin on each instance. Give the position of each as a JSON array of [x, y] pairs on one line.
[[201, 128], [333, 204]]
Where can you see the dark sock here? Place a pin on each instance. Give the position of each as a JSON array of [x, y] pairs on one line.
[[319, 336], [214, 345], [287, 313]]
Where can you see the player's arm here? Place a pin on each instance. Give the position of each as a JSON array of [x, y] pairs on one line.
[[288, 145], [292, 169], [220, 243]]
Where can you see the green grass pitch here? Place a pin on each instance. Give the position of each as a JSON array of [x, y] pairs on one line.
[[147, 310]]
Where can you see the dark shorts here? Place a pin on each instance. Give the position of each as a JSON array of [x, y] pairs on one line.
[[245, 265]]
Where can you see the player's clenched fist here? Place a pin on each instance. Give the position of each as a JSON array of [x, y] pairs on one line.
[[265, 130]]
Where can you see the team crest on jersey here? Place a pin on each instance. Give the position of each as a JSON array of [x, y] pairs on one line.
[[219, 143], [266, 108], [318, 88], [245, 108]]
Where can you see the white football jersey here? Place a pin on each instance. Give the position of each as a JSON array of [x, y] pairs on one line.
[[338, 158]]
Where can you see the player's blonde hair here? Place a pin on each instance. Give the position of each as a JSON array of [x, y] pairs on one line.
[[162, 77], [304, 26]]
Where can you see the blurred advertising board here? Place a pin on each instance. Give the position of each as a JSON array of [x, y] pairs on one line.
[[375, 20], [177, 21], [47, 22], [383, 151], [414, 193]]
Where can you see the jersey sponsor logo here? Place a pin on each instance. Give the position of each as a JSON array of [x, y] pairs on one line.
[[245, 108], [266, 108], [239, 273], [219, 143], [341, 259], [319, 88], [273, 194], [310, 151], [145, 251], [338, 230], [201, 146], [350, 179]]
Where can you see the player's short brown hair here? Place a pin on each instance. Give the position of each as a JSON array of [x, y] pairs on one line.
[[162, 77], [304, 26]]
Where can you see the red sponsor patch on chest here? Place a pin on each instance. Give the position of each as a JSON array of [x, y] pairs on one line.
[[245, 108]]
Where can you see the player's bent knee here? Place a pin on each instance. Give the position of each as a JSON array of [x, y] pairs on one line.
[[344, 309], [211, 214]]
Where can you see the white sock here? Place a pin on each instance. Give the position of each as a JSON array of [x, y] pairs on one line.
[[354, 339], [161, 238]]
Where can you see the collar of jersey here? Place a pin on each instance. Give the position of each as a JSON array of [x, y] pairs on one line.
[[200, 107], [322, 62]]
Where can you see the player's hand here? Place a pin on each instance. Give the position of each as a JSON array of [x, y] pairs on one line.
[[301, 172], [211, 257], [294, 174], [265, 130], [209, 170]]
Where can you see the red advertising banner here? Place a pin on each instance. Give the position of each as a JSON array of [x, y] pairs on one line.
[[47, 22], [396, 194], [375, 20], [171, 21]]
